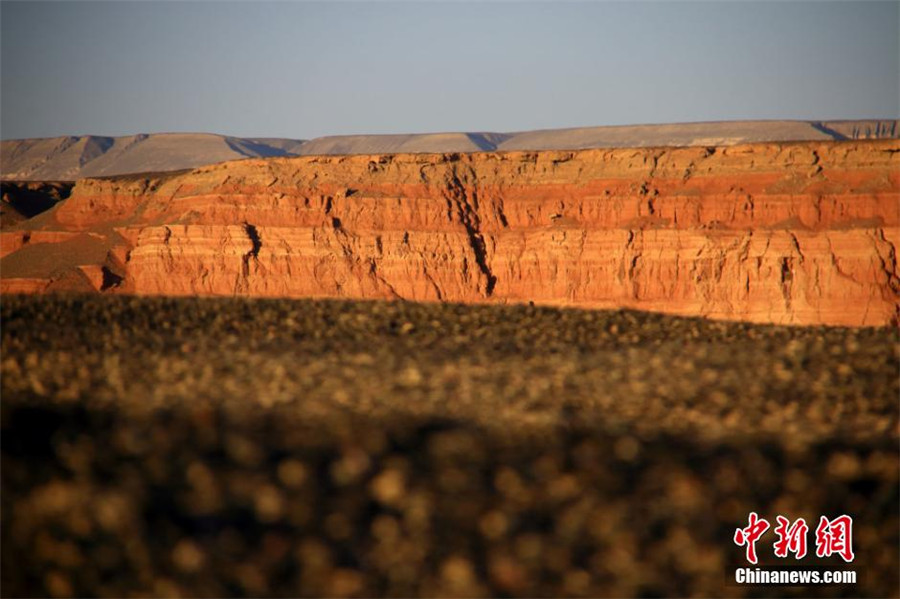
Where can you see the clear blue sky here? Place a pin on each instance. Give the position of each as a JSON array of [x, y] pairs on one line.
[[306, 69]]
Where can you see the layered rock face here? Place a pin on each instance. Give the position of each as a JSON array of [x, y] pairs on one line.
[[802, 233]]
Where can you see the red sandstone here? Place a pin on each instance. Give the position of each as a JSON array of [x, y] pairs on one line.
[[800, 233]]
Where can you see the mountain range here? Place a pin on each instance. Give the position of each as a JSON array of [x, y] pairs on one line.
[[70, 158]]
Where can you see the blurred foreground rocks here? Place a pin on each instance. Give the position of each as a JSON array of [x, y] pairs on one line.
[[163, 447]]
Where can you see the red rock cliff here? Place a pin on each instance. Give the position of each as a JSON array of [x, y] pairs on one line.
[[802, 233]]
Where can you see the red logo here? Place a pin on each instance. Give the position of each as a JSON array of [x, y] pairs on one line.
[[832, 537], [748, 536], [835, 536], [791, 539]]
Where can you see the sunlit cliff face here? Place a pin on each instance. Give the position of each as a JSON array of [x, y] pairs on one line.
[[801, 233]]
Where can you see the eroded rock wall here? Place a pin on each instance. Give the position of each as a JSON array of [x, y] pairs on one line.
[[802, 233]]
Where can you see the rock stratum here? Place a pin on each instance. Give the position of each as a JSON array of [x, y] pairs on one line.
[[790, 233]]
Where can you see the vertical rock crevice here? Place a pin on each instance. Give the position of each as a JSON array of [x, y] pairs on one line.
[[887, 261], [256, 245], [457, 195], [242, 284], [787, 280], [361, 264]]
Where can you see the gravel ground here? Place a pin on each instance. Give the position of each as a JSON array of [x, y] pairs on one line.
[[219, 447]]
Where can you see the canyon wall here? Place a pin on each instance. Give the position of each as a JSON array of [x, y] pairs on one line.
[[800, 233]]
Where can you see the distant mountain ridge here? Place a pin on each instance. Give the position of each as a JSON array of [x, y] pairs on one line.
[[74, 157]]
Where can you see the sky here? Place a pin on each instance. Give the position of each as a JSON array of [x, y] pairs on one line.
[[308, 69]]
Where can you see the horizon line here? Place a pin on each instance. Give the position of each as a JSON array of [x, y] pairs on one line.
[[460, 132]]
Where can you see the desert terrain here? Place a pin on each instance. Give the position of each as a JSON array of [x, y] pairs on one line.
[[247, 447], [562, 363]]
